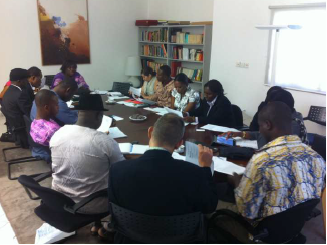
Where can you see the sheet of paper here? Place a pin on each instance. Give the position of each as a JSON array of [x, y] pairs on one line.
[[117, 97], [115, 133], [69, 104], [219, 128], [178, 113], [102, 92], [105, 125], [227, 167], [192, 154], [125, 148], [159, 110], [47, 234], [139, 149], [148, 109], [186, 123], [247, 143], [114, 93], [117, 118], [178, 156], [135, 91]]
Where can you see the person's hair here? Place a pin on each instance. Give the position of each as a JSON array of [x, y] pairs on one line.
[[166, 70], [146, 71], [182, 78], [34, 71], [68, 82], [66, 64], [271, 92], [168, 130], [215, 87], [278, 113], [283, 96], [43, 97]]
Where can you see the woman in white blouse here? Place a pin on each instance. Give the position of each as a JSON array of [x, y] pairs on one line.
[[150, 80], [184, 98]]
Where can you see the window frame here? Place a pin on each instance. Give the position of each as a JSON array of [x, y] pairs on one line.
[[270, 54]]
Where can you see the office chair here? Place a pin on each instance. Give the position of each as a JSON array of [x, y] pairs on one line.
[[121, 87], [59, 210], [238, 117], [317, 114], [284, 227], [187, 228], [49, 80]]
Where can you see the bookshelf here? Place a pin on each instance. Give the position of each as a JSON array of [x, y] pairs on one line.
[[185, 46]]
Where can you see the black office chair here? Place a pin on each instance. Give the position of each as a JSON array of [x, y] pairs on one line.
[[59, 210], [238, 117], [188, 228], [317, 114], [49, 79], [121, 87], [284, 227]]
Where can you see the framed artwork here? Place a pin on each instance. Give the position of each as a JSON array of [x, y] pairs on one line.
[[64, 31]]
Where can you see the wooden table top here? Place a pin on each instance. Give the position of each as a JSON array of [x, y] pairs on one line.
[[138, 131]]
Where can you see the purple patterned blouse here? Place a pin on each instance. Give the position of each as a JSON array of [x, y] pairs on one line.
[[42, 131], [77, 77]]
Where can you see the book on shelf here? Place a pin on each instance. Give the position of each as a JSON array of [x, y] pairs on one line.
[[186, 53], [154, 51], [174, 66], [150, 63], [199, 55], [193, 74], [162, 22], [202, 23], [181, 22], [146, 22], [182, 53], [155, 36], [186, 37]]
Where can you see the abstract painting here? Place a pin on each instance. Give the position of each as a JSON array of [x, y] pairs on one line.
[[64, 31]]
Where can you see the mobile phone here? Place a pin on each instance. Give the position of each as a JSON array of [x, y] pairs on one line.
[[223, 141]]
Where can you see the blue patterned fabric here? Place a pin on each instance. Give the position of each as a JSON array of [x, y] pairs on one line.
[[282, 174]]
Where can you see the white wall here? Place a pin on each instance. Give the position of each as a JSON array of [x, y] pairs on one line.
[[192, 10], [236, 39], [113, 37]]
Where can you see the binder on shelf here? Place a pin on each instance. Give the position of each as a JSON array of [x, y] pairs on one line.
[[174, 67], [146, 22]]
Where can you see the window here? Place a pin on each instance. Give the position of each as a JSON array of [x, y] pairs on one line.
[[298, 57]]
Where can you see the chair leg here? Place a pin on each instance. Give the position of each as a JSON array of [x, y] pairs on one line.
[[323, 200], [7, 149], [38, 178]]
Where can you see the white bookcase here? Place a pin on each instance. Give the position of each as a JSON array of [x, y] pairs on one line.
[[205, 47]]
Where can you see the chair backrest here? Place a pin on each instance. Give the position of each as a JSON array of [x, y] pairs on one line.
[[49, 80], [51, 198], [121, 87], [284, 226], [319, 145], [31, 142], [238, 116], [143, 228], [317, 114]]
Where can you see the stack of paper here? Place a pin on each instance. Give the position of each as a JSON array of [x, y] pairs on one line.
[[114, 93], [117, 97], [102, 92], [128, 148], [247, 143], [105, 125], [47, 234], [226, 167], [219, 128], [117, 118], [135, 91], [115, 133], [178, 113]]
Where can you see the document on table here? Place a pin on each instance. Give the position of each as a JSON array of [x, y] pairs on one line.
[[177, 156], [178, 113], [247, 143], [69, 104], [117, 97], [149, 102], [105, 125], [117, 118], [114, 93], [226, 167], [135, 91], [192, 154], [219, 128], [47, 234], [159, 110], [101, 92], [128, 148], [115, 133]]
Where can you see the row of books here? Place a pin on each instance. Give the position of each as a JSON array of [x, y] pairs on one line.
[[169, 22], [181, 53], [149, 63], [156, 51], [193, 74], [186, 37], [155, 36]]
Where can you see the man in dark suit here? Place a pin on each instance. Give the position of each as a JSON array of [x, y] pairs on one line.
[[34, 80], [16, 104], [214, 109], [157, 184]]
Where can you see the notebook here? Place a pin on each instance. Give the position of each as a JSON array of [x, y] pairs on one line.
[[128, 148]]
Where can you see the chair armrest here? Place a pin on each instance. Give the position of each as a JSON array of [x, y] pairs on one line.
[[244, 128], [43, 176], [86, 200]]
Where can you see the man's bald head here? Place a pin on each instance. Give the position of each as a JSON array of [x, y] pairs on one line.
[[275, 120]]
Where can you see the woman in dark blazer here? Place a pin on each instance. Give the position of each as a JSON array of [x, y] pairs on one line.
[[214, 109]]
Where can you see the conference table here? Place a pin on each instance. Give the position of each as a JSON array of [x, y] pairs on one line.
[[138, 131]]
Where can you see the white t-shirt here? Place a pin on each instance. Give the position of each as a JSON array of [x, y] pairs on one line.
[[81, 158]]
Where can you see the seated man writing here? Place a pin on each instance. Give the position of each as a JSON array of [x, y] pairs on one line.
[[282, 174], [43, 126], [157, 184]]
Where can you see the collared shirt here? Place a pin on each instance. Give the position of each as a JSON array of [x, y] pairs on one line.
[[164, 93], [81, 158], [190, 96], [42, 131], [148, 87], [211, 104], [157, 148], [65, 114], [17, 87], [282, 174]]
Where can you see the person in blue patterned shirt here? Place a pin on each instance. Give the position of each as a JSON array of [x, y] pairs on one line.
[[282, 174]]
